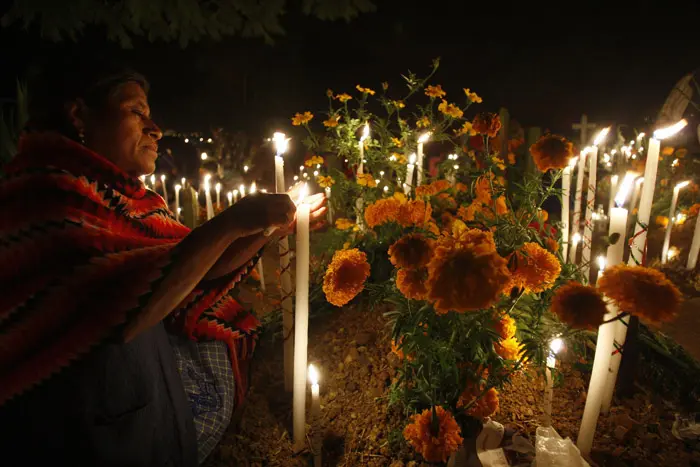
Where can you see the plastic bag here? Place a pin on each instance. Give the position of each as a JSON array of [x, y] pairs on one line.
[[553, 451], [686, 428]]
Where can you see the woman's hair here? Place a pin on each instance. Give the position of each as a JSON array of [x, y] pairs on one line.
[[59, 84]]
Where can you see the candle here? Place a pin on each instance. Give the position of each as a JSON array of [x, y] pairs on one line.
[[361, 145], [565, 199], [554, 348], [694, 246], [281, 143], [165, 190], [315, 415], [153, 182], [613, 188], [218, 195], [594, 398], [671, 216], [638, 244], [241, 190], [178, 187], [253, 188], [637, 189], [330, 208], [601, 265], [421, 141], [409, 174], [590, 202], [245, 169], [261, 273], [207, 197], [229, 195], [235, 196], [301, 319], [183, 182], [204, 156], [576, 221]]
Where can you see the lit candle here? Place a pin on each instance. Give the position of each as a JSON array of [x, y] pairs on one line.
[[301, 319], [235, 196], [638, 245], [576, 220], [590, 202], [178, 187], [565, 199], [165, 190], [601, 265], [330, 208], [153, 182], [671, 216], [694, 246], [421, 141], [207, 197], [253, 188], [361, 145], [554, 348], [241, 190], [613, 189], [229, 195], [317, 440], [409, 174], [245, 169], [635, 195], [218, 195], [204, 156], [281, 143]]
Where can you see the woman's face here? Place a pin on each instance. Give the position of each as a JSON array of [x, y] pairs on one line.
[[124, 132]]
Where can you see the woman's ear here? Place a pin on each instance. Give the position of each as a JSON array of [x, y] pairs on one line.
[[77, 116]]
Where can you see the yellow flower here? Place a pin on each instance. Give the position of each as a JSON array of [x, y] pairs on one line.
[[505, 327], [346, 245], [329, 92], [399, 158], [472, 96], [366, 180], [423, 122], [661, 220], [332, 121], [499, 162], [466, 129], [365, 90], [345, 276], [450, 109], [325, 181], [343, 97], [313, 160], [435, 91], [398, 104], [534, 269], [302, 119], [509, 349], [438, 445], [396, 142], [344, 224]]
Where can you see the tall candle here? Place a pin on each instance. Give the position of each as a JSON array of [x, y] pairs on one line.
[[671, 216], [565, 199], [301, 321], [576, 220], [330, 208], [361, 146], [178, 187], [241, 190], [594, 398], [554, 348], [421, 141], [588, 226], [408, 184], [207, 197], [165, 189], [694, 246], [614, 179], [229, 195], [153, 182], [317, 440], [261, 272], [638, 245], [218, 195], [637, 190], [281, 145], [235, 196]]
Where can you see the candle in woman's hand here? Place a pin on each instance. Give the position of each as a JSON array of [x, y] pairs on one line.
[[301, 319], [153, 182]]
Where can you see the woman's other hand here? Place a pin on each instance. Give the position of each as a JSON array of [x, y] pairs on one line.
[[255, 213], [317, 215]]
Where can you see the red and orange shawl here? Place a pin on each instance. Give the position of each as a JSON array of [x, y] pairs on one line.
[[82, 247]]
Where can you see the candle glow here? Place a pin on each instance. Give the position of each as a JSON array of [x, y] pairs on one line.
[[601, 136], [204, 156], [669, 131], [625, 188]]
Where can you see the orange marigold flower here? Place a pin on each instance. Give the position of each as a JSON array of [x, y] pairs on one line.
[[461, 187], [511, 158], [487, 124], [535, 269], [332, 121], [694, 210], [579, 306], [345, 276], [415, 212], [472, 96], [661, 220], [509, 349], [542, 215], [433, 228], [552, 245], [450, 110], [343, 97], [482, 187], [463, 237], [313, 160], [447, 201], [461, 277], [344, 224], [552, 152], [382, 211], [325, 181], [396, 350], [366, 180], [329, 92], [365, 90], [432, 188], [434, 446], [423, 122], [498, 162], [435, 91], [505, 326], [485, 406], [385, 85], [641, 291], [396, 142], [398, 104], [468, 213], [398, 158], [466, 129], [412, 251], [302, 119], [411, 283]]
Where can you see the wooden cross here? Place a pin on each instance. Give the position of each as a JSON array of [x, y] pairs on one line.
[[583, 127]]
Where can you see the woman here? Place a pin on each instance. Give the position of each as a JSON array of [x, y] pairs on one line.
[[94, 269]]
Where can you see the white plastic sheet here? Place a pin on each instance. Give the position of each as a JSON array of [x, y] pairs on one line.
[[553, 451]]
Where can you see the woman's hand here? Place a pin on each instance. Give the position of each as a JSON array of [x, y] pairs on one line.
[[255, 213], [317, 215]]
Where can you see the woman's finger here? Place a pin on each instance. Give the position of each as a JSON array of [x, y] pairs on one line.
[[319, 212]]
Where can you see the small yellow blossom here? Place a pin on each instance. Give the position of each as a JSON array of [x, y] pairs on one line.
[[325, 181], [423, 122], [435, 91], [313, 160], [466, 129], [450, 109], [343, 97], [366, 180], [302, 119], [329, 92], [472, 96], [398, 158], [365, 90], [396, 142], [398, 104], [343, 223], [332, 121], [498, 162], [385, 85]]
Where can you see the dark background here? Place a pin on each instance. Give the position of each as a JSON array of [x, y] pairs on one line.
[[547, 64]]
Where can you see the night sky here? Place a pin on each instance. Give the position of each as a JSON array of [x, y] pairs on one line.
[[545, 64]]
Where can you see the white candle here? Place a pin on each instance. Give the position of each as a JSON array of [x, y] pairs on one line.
[[241, 190], [601, 362], [601, 265], [165, 190], [694, 246], [409, 174], [330, 208], [671, 216], [281, 144], [554, 348], [315, 415], [235, 196], [207, 197], [183, 182], [361, 146], [588, 226], [301, 320], [613, 189], [637, 190], [153, 182], [421, 141], [261, 273], [576, 220], [565, 199], [638, 247], [229, 195], [253, 188], [178, 187], [218, 195]]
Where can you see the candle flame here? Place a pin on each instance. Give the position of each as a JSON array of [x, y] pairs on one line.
[[229, 195], [386, 188], [162, 178], [573, 161], [241, 190], [625, 188], [412, 158], [601, 262], [640, 136], [313, 375], [673, 251], [245, 169], [424, 137], [235, 192], [303, 190], [178, 187], [669, 131], [556, 345], [682, 184], [204, 156], [601, 136], [153, 180], [217, 187], [576, 239], [365, 132], [253, 188], [184, 181]]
